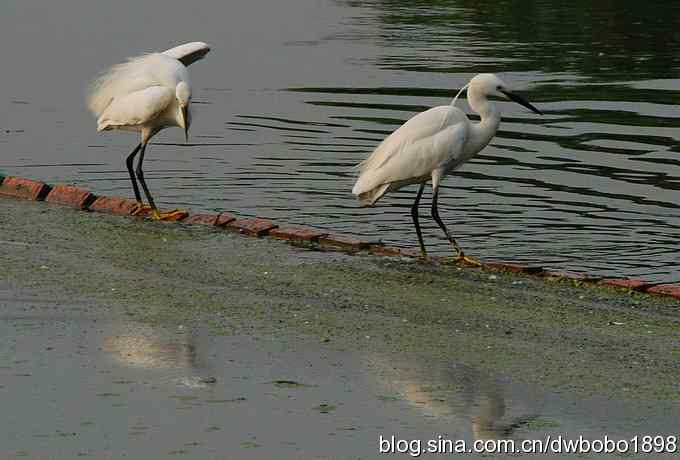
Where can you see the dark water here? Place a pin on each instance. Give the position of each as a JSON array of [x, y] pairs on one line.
[[295, 93]]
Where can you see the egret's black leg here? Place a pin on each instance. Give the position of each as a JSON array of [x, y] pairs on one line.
[[175, 214], [129, 162], [140, 176], [414, 215], [460, 257], [435, 216]]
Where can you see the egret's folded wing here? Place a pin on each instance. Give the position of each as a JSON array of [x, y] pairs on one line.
[[417, 160], [420, 126], [422, 144], [136, 108], [188, 53]]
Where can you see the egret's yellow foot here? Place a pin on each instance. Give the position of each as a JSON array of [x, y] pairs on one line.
[[141, 208], [467, 260], [174, 215]]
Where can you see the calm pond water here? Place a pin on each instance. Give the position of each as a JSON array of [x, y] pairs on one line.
[[295, 93]]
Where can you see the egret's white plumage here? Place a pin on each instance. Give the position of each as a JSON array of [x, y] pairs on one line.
[[188, 53], [134, 94], [424, 143], [147, 94], [432, 144]]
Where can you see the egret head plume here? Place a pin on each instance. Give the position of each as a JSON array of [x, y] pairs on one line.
[[459, 93]]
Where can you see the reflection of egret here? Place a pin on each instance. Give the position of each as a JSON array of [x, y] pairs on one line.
[[458, 391], [489, 422], [170, 352], [489, 417], [146, 94], [432, 144], [490, 409], [151, 348]]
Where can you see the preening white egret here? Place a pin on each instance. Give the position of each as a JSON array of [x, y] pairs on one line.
[[432, 144], [147, 94]]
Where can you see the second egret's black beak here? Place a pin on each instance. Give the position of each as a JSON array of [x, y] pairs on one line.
[[520, 100], [186, 123]]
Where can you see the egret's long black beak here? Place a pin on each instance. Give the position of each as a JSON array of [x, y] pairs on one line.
[[520, 100], [186, 124]]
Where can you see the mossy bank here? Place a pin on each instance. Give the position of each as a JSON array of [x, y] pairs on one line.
[[588, 339]]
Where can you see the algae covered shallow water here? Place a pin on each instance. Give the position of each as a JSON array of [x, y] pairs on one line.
[[186, 342], [296, 93]]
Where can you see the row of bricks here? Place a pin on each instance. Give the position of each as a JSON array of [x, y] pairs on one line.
[[83, 199]]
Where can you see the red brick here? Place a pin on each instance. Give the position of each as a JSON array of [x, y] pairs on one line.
[[114, 205], [672, 290], [252, 227], [201, 219], [513, 268], [335, 240], [297, 233], [218, 220], [224, 218], [18, 187], [70, 195], [382, 250], [635, 285]]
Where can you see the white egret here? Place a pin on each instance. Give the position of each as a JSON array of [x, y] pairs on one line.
[[147, 94], [432, 144]]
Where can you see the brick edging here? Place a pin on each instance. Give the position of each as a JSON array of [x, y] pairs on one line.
[[82, 199]]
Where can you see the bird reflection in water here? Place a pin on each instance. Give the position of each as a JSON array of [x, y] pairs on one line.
[[453, 392], [142, 346]]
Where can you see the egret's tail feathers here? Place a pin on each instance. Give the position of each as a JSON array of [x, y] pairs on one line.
[[370, 197], [375, 160], [362, 166], [108, 125]]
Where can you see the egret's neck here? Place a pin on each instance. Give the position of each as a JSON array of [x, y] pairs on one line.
[[481, 133]]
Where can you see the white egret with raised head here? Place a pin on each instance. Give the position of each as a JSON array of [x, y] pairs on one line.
[[431, 145]]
